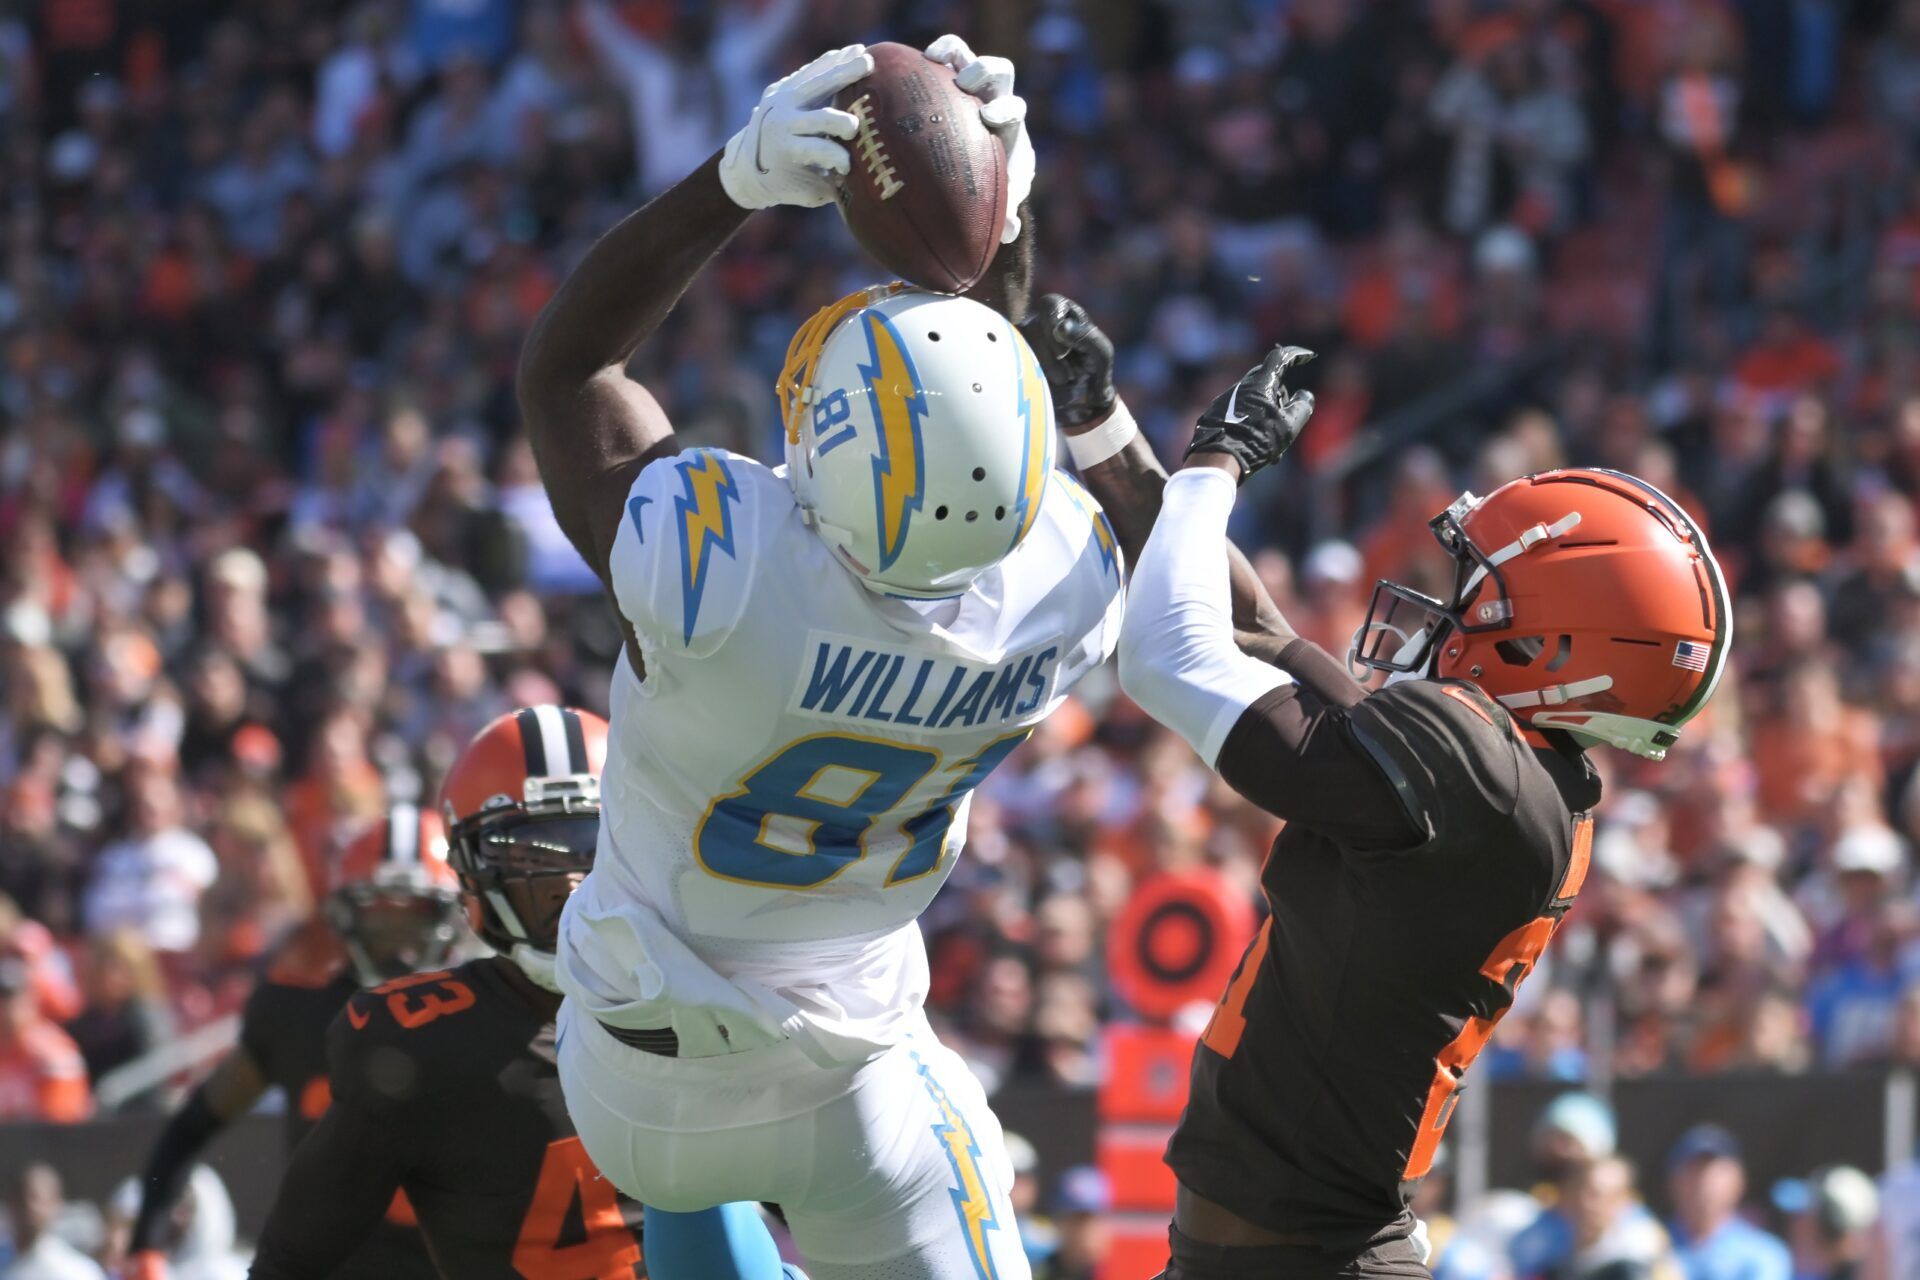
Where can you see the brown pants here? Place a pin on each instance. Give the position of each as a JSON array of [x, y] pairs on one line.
[[1192, 1260]]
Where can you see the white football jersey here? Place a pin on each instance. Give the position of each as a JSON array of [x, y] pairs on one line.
[[788, 788]]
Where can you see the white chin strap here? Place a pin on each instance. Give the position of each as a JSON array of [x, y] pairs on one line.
[[1556, 695], [537, 965], [364, 968], [1501, 611], [1644, 738], [1410, 642]]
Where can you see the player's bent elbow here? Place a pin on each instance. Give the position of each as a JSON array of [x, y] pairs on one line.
[[549, 376]]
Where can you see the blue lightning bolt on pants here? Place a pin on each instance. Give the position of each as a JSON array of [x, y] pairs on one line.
[[892, 1168]]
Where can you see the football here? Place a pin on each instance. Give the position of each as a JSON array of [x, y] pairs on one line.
[[927, 191]]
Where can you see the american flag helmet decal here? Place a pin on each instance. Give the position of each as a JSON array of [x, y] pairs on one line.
[[1691, 654]]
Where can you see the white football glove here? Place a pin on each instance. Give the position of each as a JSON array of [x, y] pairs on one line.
[[787, 154], [990, 79]]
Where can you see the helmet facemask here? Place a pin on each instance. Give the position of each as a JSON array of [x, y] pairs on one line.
[[1404, 628], [519, 863], [398, 923], [1401, 633]]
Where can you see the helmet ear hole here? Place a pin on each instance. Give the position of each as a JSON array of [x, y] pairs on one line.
[[1562, 651], [1522, 651]]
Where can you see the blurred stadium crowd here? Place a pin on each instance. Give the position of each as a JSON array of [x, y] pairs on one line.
[[272, 546]]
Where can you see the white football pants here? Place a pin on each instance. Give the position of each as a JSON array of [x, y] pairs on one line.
[[891, 1169]]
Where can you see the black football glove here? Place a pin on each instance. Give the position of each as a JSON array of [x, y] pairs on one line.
[[1076, 357], [1256, 420]]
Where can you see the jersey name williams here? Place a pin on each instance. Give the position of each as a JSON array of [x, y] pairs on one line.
[[848, 679]]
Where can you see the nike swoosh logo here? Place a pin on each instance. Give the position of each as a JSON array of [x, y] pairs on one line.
[[1230, 416], [357, 1018]]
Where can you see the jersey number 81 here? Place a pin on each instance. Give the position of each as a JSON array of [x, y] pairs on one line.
[[825, 794]]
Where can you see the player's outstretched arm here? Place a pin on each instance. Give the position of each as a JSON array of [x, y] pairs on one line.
[[1265, 725], [1118, 464], [593, 428], [229, 1092], [336, 1190], [1178, 658]]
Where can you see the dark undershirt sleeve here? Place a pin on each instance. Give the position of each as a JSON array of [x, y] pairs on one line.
[[1321, 673], [1295, 754], [187, 1133], [262, 1031], [335, 1193], [195, 1125]]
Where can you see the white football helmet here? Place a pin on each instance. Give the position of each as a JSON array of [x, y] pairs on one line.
[[919, 436]]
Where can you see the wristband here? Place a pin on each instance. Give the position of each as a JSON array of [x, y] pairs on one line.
[[1091, 448]]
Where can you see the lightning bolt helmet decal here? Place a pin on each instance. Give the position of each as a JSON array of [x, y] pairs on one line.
[[919, 439], [899, 406]]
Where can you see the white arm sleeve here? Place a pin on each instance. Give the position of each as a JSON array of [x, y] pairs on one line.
[[1177, 655]]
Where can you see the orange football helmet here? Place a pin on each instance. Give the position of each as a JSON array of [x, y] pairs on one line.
[[1584, 600], [522, 803], [393, 899]]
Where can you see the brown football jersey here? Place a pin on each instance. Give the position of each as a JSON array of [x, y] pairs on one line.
[[284, 1030], [444, 1086], [1430, 851]]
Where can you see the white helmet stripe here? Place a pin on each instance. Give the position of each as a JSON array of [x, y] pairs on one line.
[[403, 834], [553, 741], [1531, 538], [577, 759]]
